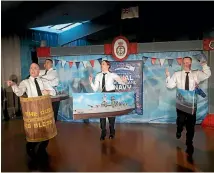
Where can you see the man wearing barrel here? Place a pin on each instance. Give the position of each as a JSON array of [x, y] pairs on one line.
[[34, 87], [50, 75]]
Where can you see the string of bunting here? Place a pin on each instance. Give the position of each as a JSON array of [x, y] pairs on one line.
[[154, 61], [161, 61], [71, 63]]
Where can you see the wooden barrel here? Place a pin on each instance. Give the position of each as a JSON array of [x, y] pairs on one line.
[[38, 115]]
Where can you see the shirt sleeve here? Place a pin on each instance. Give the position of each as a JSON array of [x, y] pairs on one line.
[[117, 78], [47, 86], [204, 74], [171, 82], [19, 90], [52, 78], [96, 83]]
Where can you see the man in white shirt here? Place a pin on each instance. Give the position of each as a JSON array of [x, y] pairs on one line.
[[50, 75], [187, 80], [104, 82], [34, 86]]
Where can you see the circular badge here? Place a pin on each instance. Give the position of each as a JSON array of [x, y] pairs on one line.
[[211, 45], [120, 48]]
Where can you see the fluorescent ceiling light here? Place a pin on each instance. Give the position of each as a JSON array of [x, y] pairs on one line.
[[58, 28]]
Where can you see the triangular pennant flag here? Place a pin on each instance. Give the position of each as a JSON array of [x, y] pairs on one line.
[[92, 63], [179, 60], [63, 63], [70, 64], [105, 58], [170, 61], [56, 62], [153, 60], [85, 63], [162, 61], [144, 58], [77, 64], [100, 60]]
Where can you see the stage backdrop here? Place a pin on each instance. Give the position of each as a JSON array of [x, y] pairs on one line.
[[158, 101]]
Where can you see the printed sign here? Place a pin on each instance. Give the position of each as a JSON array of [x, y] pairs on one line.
[[133, 72]]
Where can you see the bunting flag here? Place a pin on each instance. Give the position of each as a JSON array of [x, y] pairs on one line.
[[179, 61], [144, 58], [170, 61], [162, 61], [63, 63], [100, 60], [56, 62], [153, 60], [70, 64], [92, 63], [77, 64], [85, 63]]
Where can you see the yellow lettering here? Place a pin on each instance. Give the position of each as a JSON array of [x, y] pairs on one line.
[[36, 126], [33, 114], [40, 124], [42, 112], [27, 126]]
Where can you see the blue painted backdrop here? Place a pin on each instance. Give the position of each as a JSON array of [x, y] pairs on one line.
[[159, 102]]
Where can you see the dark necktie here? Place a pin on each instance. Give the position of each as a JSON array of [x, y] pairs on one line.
[[104, 83], [46, 72], [187, 81], [37, 87]]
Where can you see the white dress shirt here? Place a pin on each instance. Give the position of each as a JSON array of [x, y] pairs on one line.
[[109, 81], [29, 86], [195, 77], [51, 76]]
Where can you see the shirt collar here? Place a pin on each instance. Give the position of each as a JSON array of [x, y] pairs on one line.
[[32, 78], [186, 71], [106, 72], [50, 69]]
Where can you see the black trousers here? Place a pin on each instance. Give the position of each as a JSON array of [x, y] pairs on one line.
[[56, 109], [35, 149], [188, 120], [111, 125], [111, 122]]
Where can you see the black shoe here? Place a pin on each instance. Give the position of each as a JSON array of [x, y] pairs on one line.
[[102, 138], [111, 136], [103, 135], [178, 135]]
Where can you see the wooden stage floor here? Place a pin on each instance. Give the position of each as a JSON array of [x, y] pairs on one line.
[[136, 148]]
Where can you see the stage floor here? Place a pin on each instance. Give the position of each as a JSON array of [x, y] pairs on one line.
[[136, 148]]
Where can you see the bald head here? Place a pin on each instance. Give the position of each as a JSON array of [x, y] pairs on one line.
[[34, 70]]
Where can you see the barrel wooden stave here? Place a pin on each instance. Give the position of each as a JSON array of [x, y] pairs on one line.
[[38, 115]]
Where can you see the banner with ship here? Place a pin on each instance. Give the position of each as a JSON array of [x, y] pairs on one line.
[[100, 105], [186, 101]]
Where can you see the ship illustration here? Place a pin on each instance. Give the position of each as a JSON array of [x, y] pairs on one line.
[[183, 104], [105, 109]]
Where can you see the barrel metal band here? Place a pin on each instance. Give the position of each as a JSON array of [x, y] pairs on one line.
[[22, 99], [41, 139]]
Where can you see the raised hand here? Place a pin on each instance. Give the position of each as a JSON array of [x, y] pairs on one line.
[[10, 83], [124, 79], [90, 79], [167, 72]]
